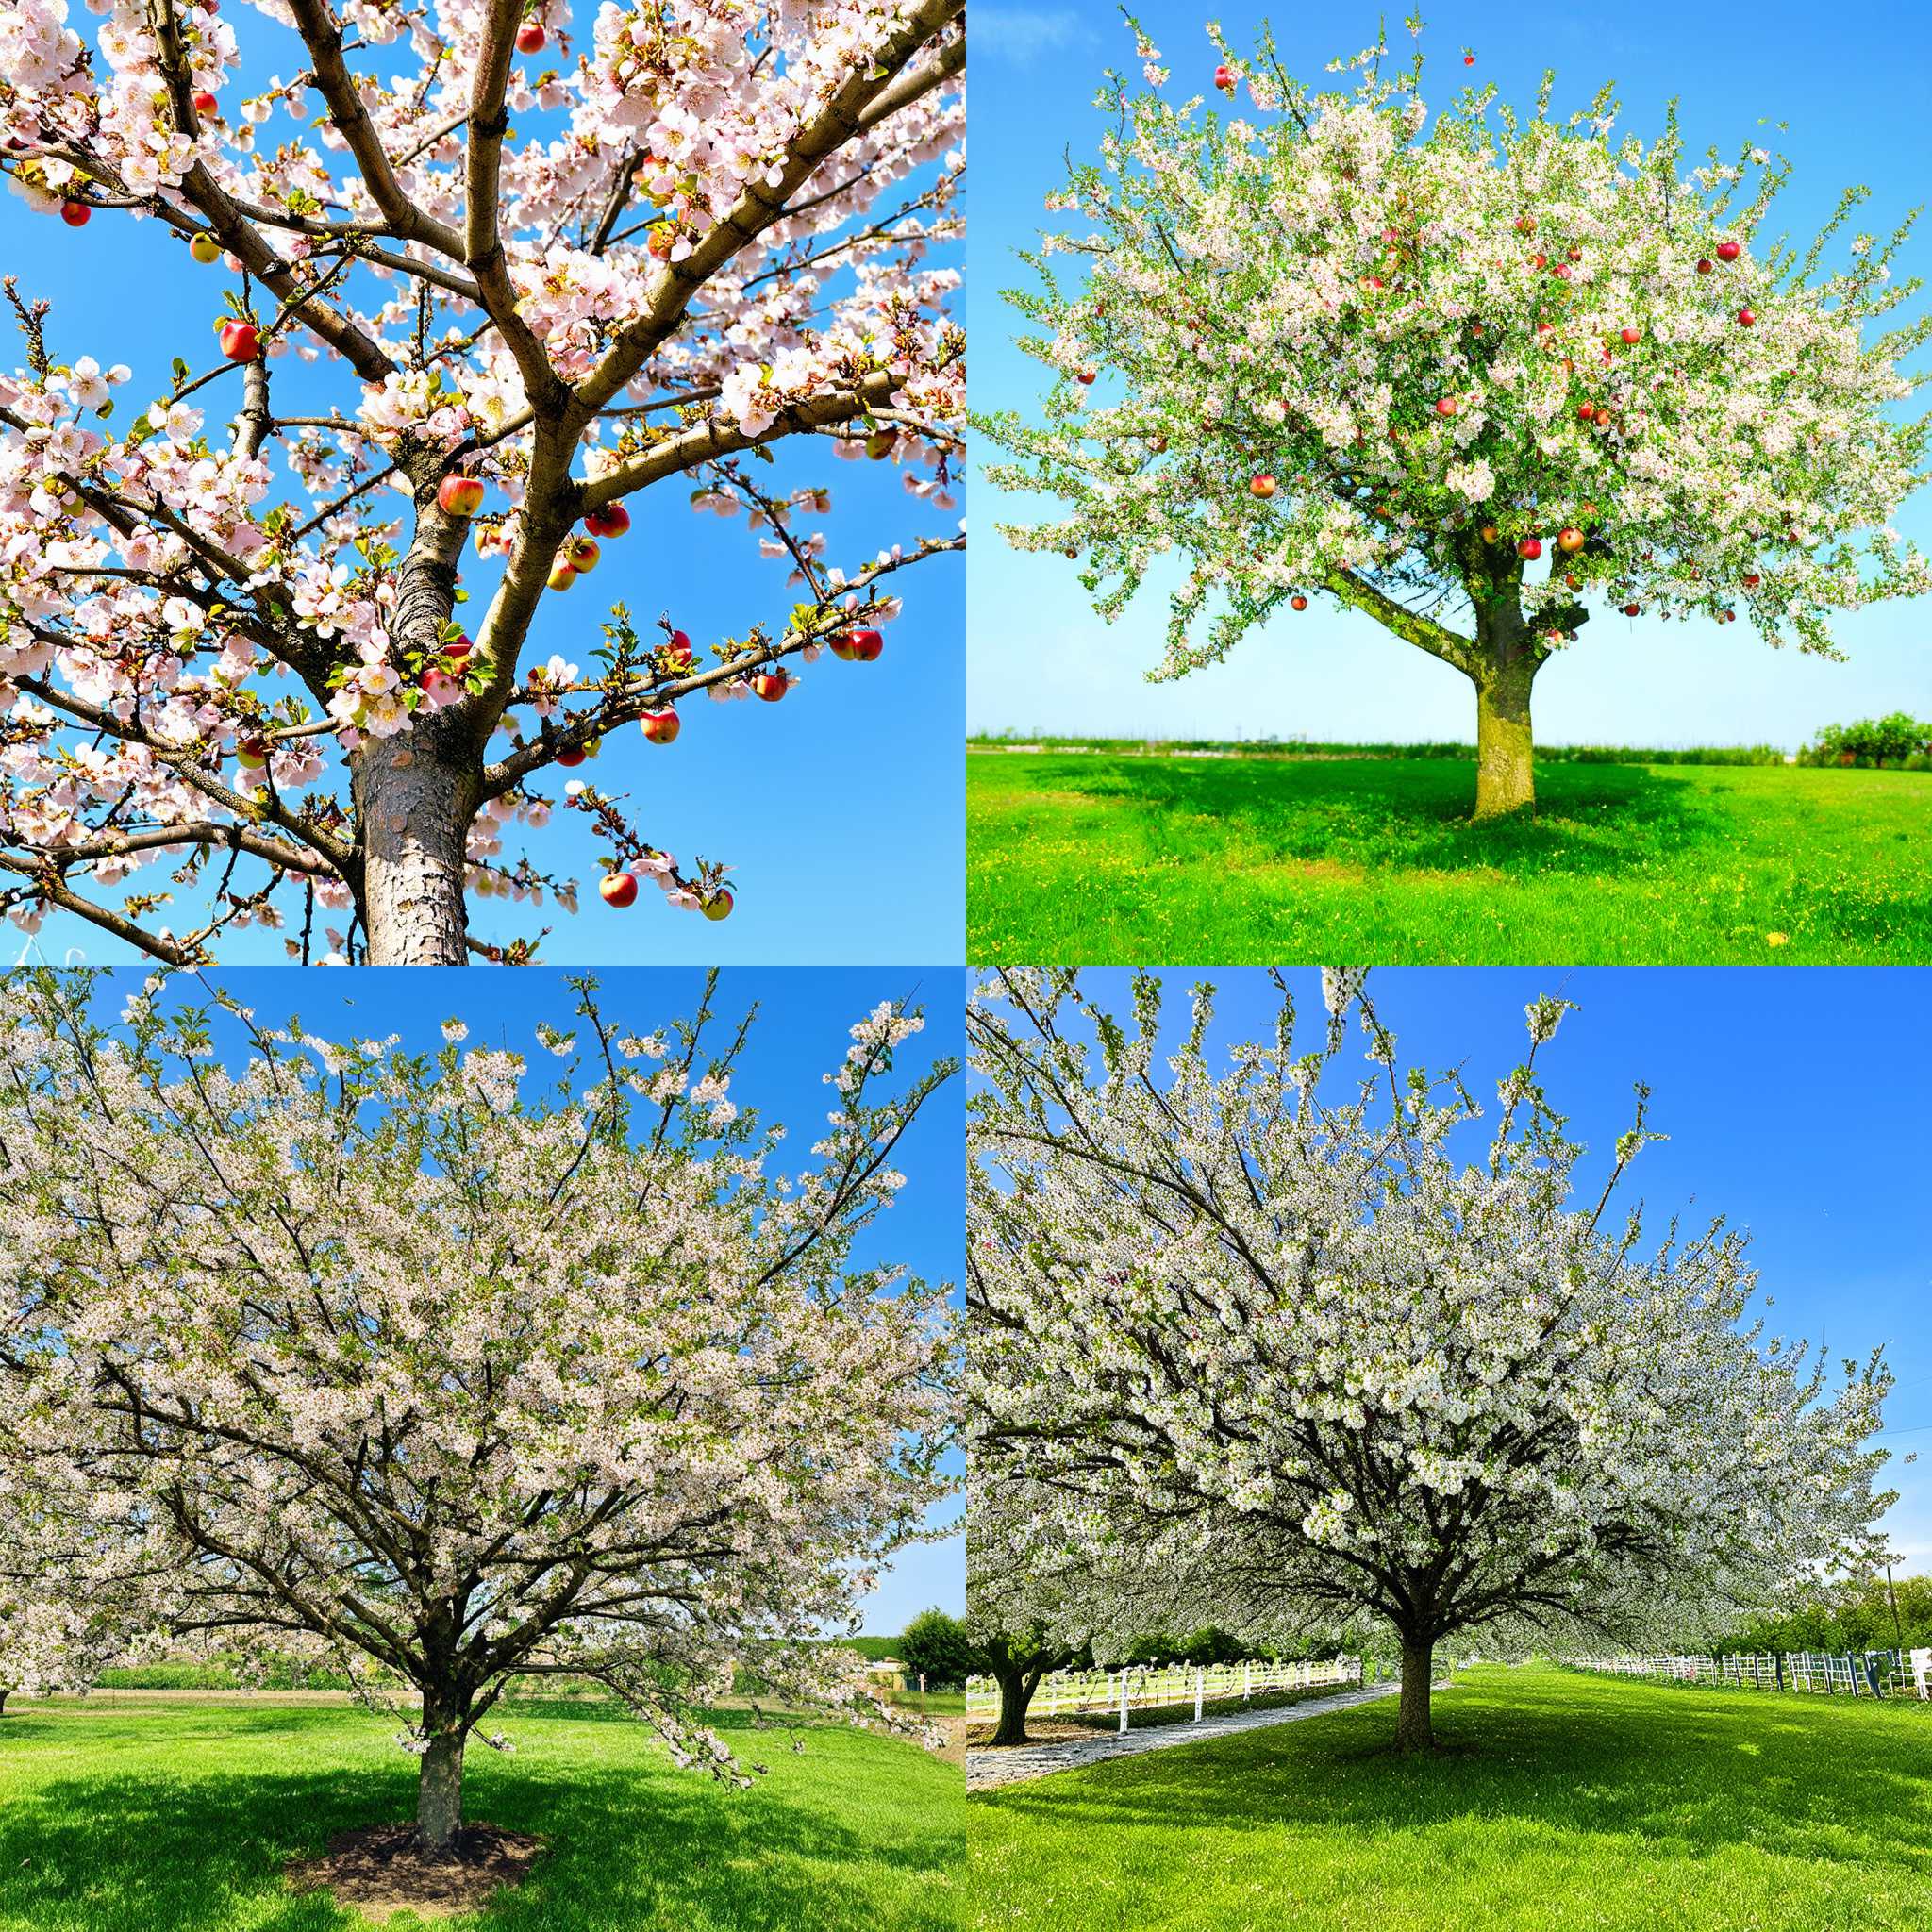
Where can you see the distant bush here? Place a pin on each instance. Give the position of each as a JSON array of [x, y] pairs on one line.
[[219, 1676], [1853, 1615], [1898, 739], [937, 1646]]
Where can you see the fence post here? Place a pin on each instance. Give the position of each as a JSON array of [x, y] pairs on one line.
[[1123, 1700], [1247, 1680], [1778, 1662], [1199, 1685]]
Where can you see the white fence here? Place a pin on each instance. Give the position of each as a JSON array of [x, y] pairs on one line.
[[1146, 1686], [1813, 1672]]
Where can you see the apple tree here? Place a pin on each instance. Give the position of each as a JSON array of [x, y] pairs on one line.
[[550, 274], [1340, 1355], [454, 1377], [1476, 374]]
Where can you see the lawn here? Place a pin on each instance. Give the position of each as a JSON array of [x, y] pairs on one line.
[[178, 1816], [1093, 858], [1560, 1804]]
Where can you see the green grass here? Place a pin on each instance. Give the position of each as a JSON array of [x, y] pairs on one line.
[[178, 1818], [1560, 1804], [1085, 859]]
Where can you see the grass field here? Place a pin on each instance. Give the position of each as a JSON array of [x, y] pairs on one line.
[[1561, 1803], [1097, 859], [179, 1817]]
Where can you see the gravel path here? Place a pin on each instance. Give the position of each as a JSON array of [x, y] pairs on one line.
[[986, 1770]]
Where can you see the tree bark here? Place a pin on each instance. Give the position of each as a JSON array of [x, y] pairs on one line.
[[415, 796], [440, 1787], [1413, 1728], [3, 1700], [1504, 775], [1016, 1692]]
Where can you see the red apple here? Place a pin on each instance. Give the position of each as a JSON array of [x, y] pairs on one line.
[[1705, 265], [677, 649], [661, 727], [618, 888], [1603, 419], [1262, 486], [1633, 336], [1530, 548], [1224, 78], [1728, 251], [1631, 609], [1086, 376], [581, 554], [241, 343], [532, 39], [1488, 533], [204, 249], [770, 685], [572, 755], [253, 753], [1468, 60], [613, 520], [1445, 405], [562, 575], [1585, 412], [1298, 602], [461, 649], [206, 104], [1746, 318], [1752, 580], [1568, 540], [459, 496], [839, 643], [719, 905], [866, 647], [76, 214], [1525, 225]]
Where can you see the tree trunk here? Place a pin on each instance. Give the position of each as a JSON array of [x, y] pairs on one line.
[[1504, 781], [3, 1700], [415, 796], [440, 1789], [1016, 1693], [1413, 1728]]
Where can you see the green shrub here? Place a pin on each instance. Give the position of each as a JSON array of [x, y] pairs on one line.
[[1897, 738]]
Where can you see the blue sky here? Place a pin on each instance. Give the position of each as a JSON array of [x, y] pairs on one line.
[[1794, 1106], [1850, 81], [805, 1015], [841, 809]]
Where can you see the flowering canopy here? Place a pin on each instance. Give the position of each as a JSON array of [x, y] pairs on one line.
[[1335, 343], [450, 1380], [227, 629], [1303, 1351]]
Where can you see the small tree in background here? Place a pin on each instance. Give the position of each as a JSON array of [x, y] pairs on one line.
[[1306, 1350], [403, 1362], [556, 274], [935, 1646], [1471, 373]]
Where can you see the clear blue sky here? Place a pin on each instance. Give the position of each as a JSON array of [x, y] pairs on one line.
[[805, 1015], [1850, 81], [1795, 1107], [841, 809]]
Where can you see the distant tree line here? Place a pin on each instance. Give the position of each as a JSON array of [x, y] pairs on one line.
[[1898, 739], [1856, 1614]]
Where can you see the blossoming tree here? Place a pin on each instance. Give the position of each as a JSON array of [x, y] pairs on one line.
[[452, 1380], [1474, 376], [1351, 1358], [664, 243]]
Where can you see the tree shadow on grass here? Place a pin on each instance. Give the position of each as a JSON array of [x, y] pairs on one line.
[[631, 1850], [1690, 1774], [1592, 820]]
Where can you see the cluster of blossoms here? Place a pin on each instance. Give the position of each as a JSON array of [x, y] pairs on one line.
[[323, 1343], [706, 228], [1340, 342], [1326, 1358]]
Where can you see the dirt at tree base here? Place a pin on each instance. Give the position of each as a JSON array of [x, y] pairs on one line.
[[380, 1868]]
